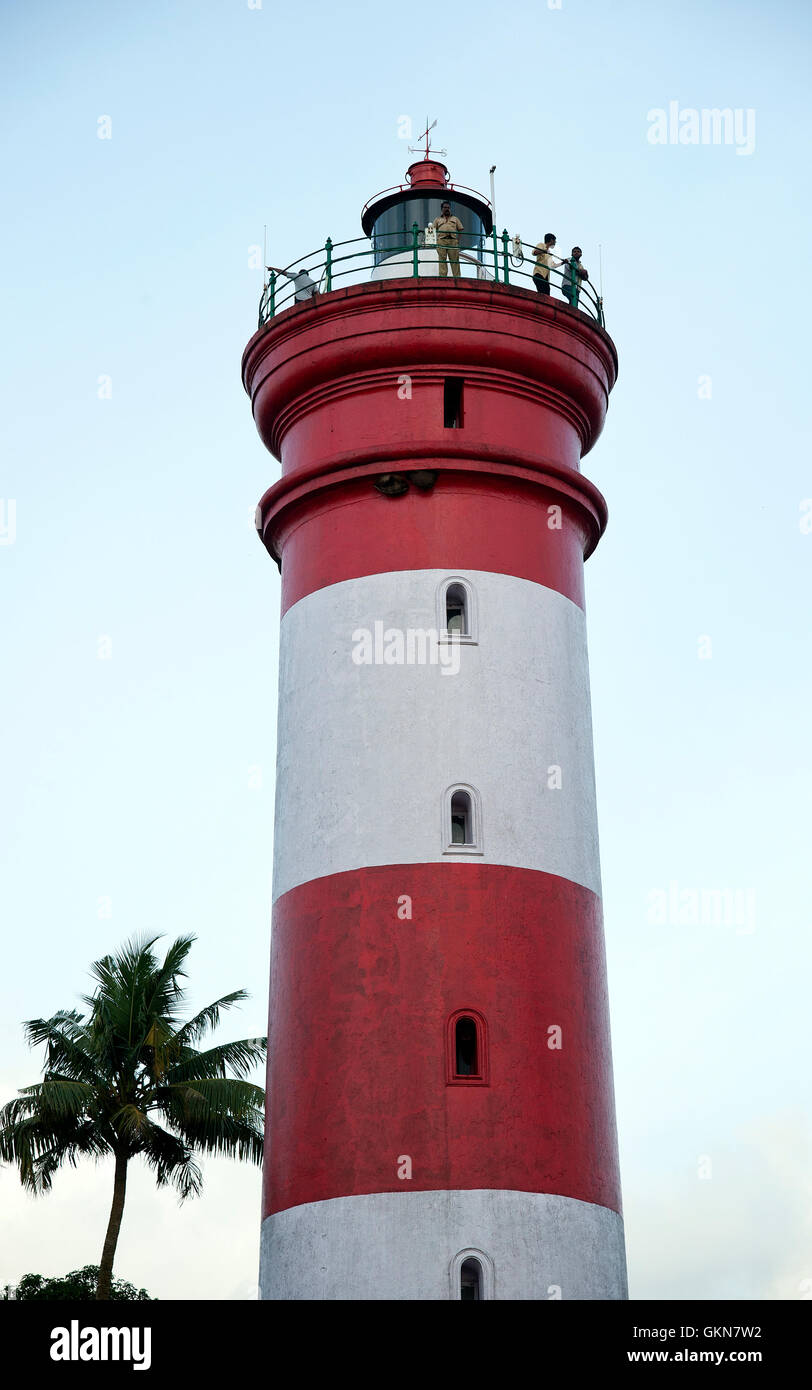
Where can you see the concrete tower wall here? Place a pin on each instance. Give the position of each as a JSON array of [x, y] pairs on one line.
[[384, 1167]]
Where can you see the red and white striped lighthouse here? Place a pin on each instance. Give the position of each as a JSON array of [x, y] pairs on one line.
[[440, 1114]]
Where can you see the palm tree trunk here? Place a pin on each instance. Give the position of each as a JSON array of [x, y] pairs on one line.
[[113, 1227]]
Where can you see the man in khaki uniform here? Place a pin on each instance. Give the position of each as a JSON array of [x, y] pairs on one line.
[[448, 229]]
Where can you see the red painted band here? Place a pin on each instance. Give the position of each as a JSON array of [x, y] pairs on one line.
[[360, 1000], [498, 519], [376, 354]]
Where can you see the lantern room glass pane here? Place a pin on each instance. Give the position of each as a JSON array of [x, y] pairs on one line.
[[392, 229]]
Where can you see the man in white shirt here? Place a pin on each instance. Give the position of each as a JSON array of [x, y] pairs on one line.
[[545, 262], [303, 285]]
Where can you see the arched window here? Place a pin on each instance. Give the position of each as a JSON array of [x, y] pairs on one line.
[[456, 611], [470, 1280], [467, 1049], [472, 1276], [462, 820]]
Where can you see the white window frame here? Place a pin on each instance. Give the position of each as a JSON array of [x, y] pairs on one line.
[[488, 1287], [470, 638]]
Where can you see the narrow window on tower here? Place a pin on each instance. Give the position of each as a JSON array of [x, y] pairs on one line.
[[466, 1049], [470, 1281], [456, 611], [452, 402], [462, 821], [461, 817], [456, 605], [465, 1046], [472, 1277]]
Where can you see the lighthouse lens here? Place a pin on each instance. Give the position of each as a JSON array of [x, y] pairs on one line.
[[392, 229]]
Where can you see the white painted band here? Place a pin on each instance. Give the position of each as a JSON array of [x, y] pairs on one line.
[[408, 1245], [367, 751]]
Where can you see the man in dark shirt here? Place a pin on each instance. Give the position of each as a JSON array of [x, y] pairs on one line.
[[572, 276]]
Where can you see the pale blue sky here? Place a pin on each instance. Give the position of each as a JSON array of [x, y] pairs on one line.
[[130, 777]]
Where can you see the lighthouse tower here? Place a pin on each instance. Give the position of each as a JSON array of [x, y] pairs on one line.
[[440, 1113]]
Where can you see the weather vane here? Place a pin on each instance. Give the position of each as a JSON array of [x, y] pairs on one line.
[[415, 149]]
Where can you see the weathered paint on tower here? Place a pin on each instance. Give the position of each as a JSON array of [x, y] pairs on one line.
[[397, 1161]]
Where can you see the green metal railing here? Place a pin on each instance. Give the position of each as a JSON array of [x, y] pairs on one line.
[[502, 259]]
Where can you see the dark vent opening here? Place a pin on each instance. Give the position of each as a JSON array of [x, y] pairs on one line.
[[452, 403]]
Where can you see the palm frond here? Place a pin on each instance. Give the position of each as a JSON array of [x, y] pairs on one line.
[[171, 1160], [69, 1022], [69, 1047], [234, 1058], [61, 1095], [211, 1096], [225, 1136], [51, 1100], [165, 993], [39, 1146], [209, 1017]]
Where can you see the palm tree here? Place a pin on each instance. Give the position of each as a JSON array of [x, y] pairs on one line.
[[128, 1079]]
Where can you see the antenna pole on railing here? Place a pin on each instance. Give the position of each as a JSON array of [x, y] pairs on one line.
[[495, 256], [415, 259], [272, 294], [505, 260], [328, 250]]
